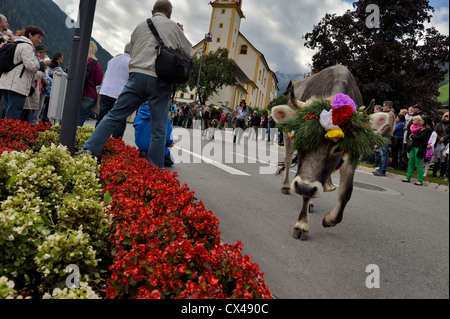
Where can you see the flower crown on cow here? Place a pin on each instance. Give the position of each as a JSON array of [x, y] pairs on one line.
[[336, 119]]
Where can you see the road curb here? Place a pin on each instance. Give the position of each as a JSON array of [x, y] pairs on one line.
[[428, 184]]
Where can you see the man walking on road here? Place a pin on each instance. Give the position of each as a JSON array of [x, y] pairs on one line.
[[143, 84]]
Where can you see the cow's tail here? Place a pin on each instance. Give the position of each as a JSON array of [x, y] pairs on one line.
[[282, 165]]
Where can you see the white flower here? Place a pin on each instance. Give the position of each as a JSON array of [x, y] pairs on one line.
[[56, 292], [46, 256], [326, 120]]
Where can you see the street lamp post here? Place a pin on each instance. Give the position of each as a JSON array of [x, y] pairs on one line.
[[80, 48], [208, 38]]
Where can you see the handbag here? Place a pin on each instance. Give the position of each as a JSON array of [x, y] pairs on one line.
[[171, 65]]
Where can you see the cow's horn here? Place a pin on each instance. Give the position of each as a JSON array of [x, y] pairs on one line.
[[294, 100], [369, 110]]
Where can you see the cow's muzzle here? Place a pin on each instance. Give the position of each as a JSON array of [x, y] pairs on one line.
[[307, 189]]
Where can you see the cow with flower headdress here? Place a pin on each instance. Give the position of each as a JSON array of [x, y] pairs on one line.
[[331, 131]]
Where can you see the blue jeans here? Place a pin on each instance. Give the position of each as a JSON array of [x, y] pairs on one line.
[[13, 104], [87, 103], [139, 88], [384, 161], [106, 105]]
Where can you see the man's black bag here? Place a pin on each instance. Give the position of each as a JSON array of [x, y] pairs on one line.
[[171, 66]]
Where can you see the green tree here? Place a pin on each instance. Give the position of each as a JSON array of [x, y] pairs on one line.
[[217, 71], [400, 61], [281, 100]]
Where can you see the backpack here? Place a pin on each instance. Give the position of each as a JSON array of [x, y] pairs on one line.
[[7, 53], [90, 67], [171, 66]]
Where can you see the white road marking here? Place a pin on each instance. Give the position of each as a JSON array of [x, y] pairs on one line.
[[223, 167]]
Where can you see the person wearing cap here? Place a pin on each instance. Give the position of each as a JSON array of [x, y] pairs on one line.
[[397, 141], [242, 111], [41, 52]]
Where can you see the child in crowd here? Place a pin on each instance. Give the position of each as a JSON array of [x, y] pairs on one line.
[[415, 128]]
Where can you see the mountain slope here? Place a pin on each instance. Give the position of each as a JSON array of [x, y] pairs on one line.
[[284, 79], [48, 16]]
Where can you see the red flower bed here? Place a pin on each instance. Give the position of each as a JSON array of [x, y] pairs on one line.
[[16, 135], [167, 245]]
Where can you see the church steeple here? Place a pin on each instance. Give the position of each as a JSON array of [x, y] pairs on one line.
[[225, 24]]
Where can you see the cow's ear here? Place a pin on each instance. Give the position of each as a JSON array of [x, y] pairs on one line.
[[377, 120], [283, 112]]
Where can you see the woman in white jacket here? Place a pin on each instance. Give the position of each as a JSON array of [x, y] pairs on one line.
[[16, 84]]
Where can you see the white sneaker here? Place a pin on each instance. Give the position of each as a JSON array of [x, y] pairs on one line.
[[84, 152]]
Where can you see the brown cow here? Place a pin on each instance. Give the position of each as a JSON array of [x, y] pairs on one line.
[[315, 167], [326, 83]]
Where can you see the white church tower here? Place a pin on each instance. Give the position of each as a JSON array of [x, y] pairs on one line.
[[256, 83], [225, 24]]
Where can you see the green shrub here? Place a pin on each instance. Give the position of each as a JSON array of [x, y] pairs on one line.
[[50, 193], [47, 138], [60, 250]]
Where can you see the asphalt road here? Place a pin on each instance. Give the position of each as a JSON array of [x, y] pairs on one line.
[[397, 231]]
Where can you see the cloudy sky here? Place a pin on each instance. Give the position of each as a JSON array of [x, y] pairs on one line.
[[274, 27]]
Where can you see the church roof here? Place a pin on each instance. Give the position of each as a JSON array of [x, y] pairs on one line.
[[242, 77]]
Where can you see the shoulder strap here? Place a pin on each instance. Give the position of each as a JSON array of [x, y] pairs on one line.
[[90, 67], [154, 31]]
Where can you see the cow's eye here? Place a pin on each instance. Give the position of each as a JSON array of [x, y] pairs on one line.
[[338, 150]]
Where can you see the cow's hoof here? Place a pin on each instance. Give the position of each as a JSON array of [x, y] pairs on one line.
[[286, 190], [311, 208], [328, 222], [299, 233]]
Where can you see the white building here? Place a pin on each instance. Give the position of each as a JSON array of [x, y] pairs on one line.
[[256, 83]]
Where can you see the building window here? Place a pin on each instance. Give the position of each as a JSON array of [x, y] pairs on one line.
[[182, 95], [218, 39], [223, 11], [243, 49], [192, 96], [221, 25]]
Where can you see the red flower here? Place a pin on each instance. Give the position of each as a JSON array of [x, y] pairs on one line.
[[167, 245], [342, 115]]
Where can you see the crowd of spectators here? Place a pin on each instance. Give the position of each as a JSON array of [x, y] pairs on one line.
[[416, 142]]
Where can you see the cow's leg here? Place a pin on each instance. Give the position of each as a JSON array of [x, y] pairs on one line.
[[286, 184], [311, 206], [347, 174], [301, 229]]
